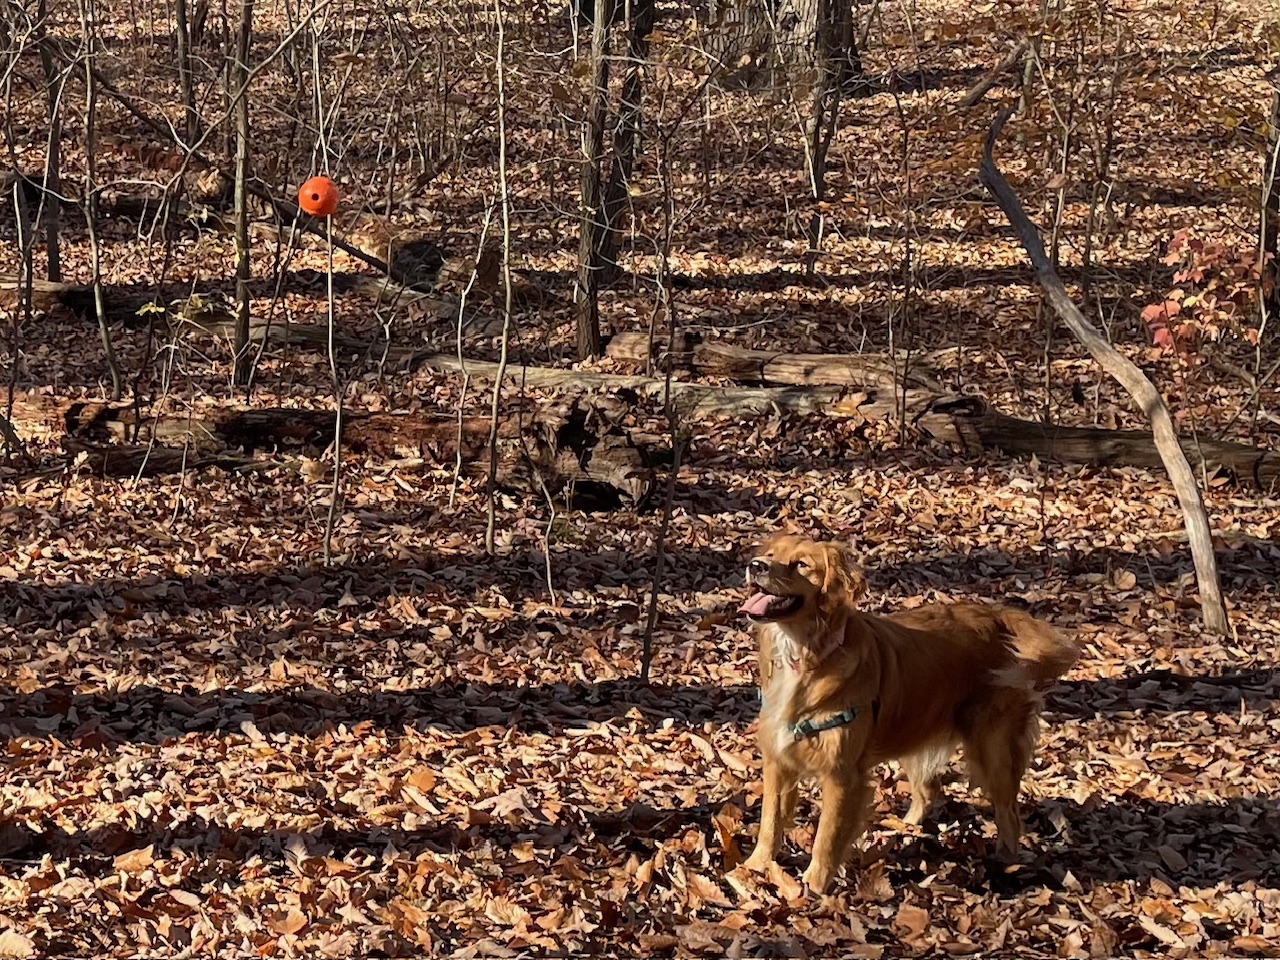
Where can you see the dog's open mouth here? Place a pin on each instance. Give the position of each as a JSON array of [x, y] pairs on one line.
[[770, 606]]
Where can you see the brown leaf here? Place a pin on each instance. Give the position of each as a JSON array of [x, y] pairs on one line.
[[910, 922], [507, 913], [15, 944], [135, 861], [287, 921]]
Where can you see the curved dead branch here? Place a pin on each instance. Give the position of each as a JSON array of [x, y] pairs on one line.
[[1135, 382]]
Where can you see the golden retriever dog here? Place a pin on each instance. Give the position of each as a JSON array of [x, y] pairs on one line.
[[843, 691]]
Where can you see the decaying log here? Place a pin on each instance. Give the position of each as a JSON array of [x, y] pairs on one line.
[[775, 368], [573, 450], [970, 423], [1136, 383], [693, 400], [144, 459], [269, 429], [44, 293]]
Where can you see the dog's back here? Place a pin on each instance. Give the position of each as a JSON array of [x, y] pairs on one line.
[[1038, 652]]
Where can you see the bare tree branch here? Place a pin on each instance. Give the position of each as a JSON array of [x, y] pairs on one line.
[[1126, 373]]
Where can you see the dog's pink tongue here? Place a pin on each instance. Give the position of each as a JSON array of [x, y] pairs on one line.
[[757, 604]]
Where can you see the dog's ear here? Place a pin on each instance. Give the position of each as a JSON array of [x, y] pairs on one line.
[[844, 576]]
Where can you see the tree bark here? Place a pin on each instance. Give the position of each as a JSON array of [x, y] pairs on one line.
[[775, 368], [88, 20], [833, 35], [761, 43], [1139, 387], [626, 137], [182, 30], [590, 219], [970, 423], [239, 83], [51, 205], [1270, 216]]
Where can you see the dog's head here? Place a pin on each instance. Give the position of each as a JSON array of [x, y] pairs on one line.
[[794, 576]]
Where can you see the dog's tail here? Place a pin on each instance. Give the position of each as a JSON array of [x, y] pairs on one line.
[[1042, 652]]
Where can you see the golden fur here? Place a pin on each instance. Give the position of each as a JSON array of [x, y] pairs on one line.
[[922, 682]]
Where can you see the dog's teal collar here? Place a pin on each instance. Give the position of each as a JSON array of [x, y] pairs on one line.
[[811, 728]]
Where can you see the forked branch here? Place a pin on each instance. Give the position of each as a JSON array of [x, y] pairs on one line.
[[1135, 382]]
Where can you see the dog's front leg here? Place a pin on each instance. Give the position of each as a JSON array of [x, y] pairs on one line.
[[777, 810], [845, 801]]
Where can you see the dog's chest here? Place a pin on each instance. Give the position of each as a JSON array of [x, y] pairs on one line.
[[780, 688]]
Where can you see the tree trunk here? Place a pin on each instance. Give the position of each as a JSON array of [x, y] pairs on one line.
[[1270, 218], [88, 21], [760, 43], [239, 83], [587, 294], [50, 204], [833, 36], [182, 30], [1135, 382], [626, 138]]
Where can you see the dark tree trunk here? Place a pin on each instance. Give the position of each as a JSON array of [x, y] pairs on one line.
[[51, 206], [832, 43], [626, 138], [185, 80], [1270, 226], [591, 226], [239, 84]]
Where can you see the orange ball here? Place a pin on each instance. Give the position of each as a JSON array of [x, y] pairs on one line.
[[318, 197]]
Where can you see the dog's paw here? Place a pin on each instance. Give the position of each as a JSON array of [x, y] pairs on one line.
[[818, 878], [759, 861]]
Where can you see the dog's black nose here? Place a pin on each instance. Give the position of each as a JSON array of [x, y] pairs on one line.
[[758, 568]]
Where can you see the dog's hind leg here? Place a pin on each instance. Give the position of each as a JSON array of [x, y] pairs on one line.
[[998, 749], [923, 770]]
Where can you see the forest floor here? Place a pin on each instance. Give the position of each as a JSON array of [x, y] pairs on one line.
[[215, 745]]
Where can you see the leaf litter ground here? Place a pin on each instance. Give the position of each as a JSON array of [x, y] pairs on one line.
[[217, 746]]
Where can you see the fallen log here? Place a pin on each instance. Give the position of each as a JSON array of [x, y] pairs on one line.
[[776, 368], [838, 397], [430, 436], [144, 459], [970, 423], [693, 400], [573, 450], [44, 293]]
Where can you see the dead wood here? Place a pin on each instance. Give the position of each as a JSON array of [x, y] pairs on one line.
[[144, 459], [574, 449], [970, 423], [1139, 387], [992, 77], [773, 367], [44, 293], [693, 399]]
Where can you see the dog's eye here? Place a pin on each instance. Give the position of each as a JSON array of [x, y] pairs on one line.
[[801, 566]]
